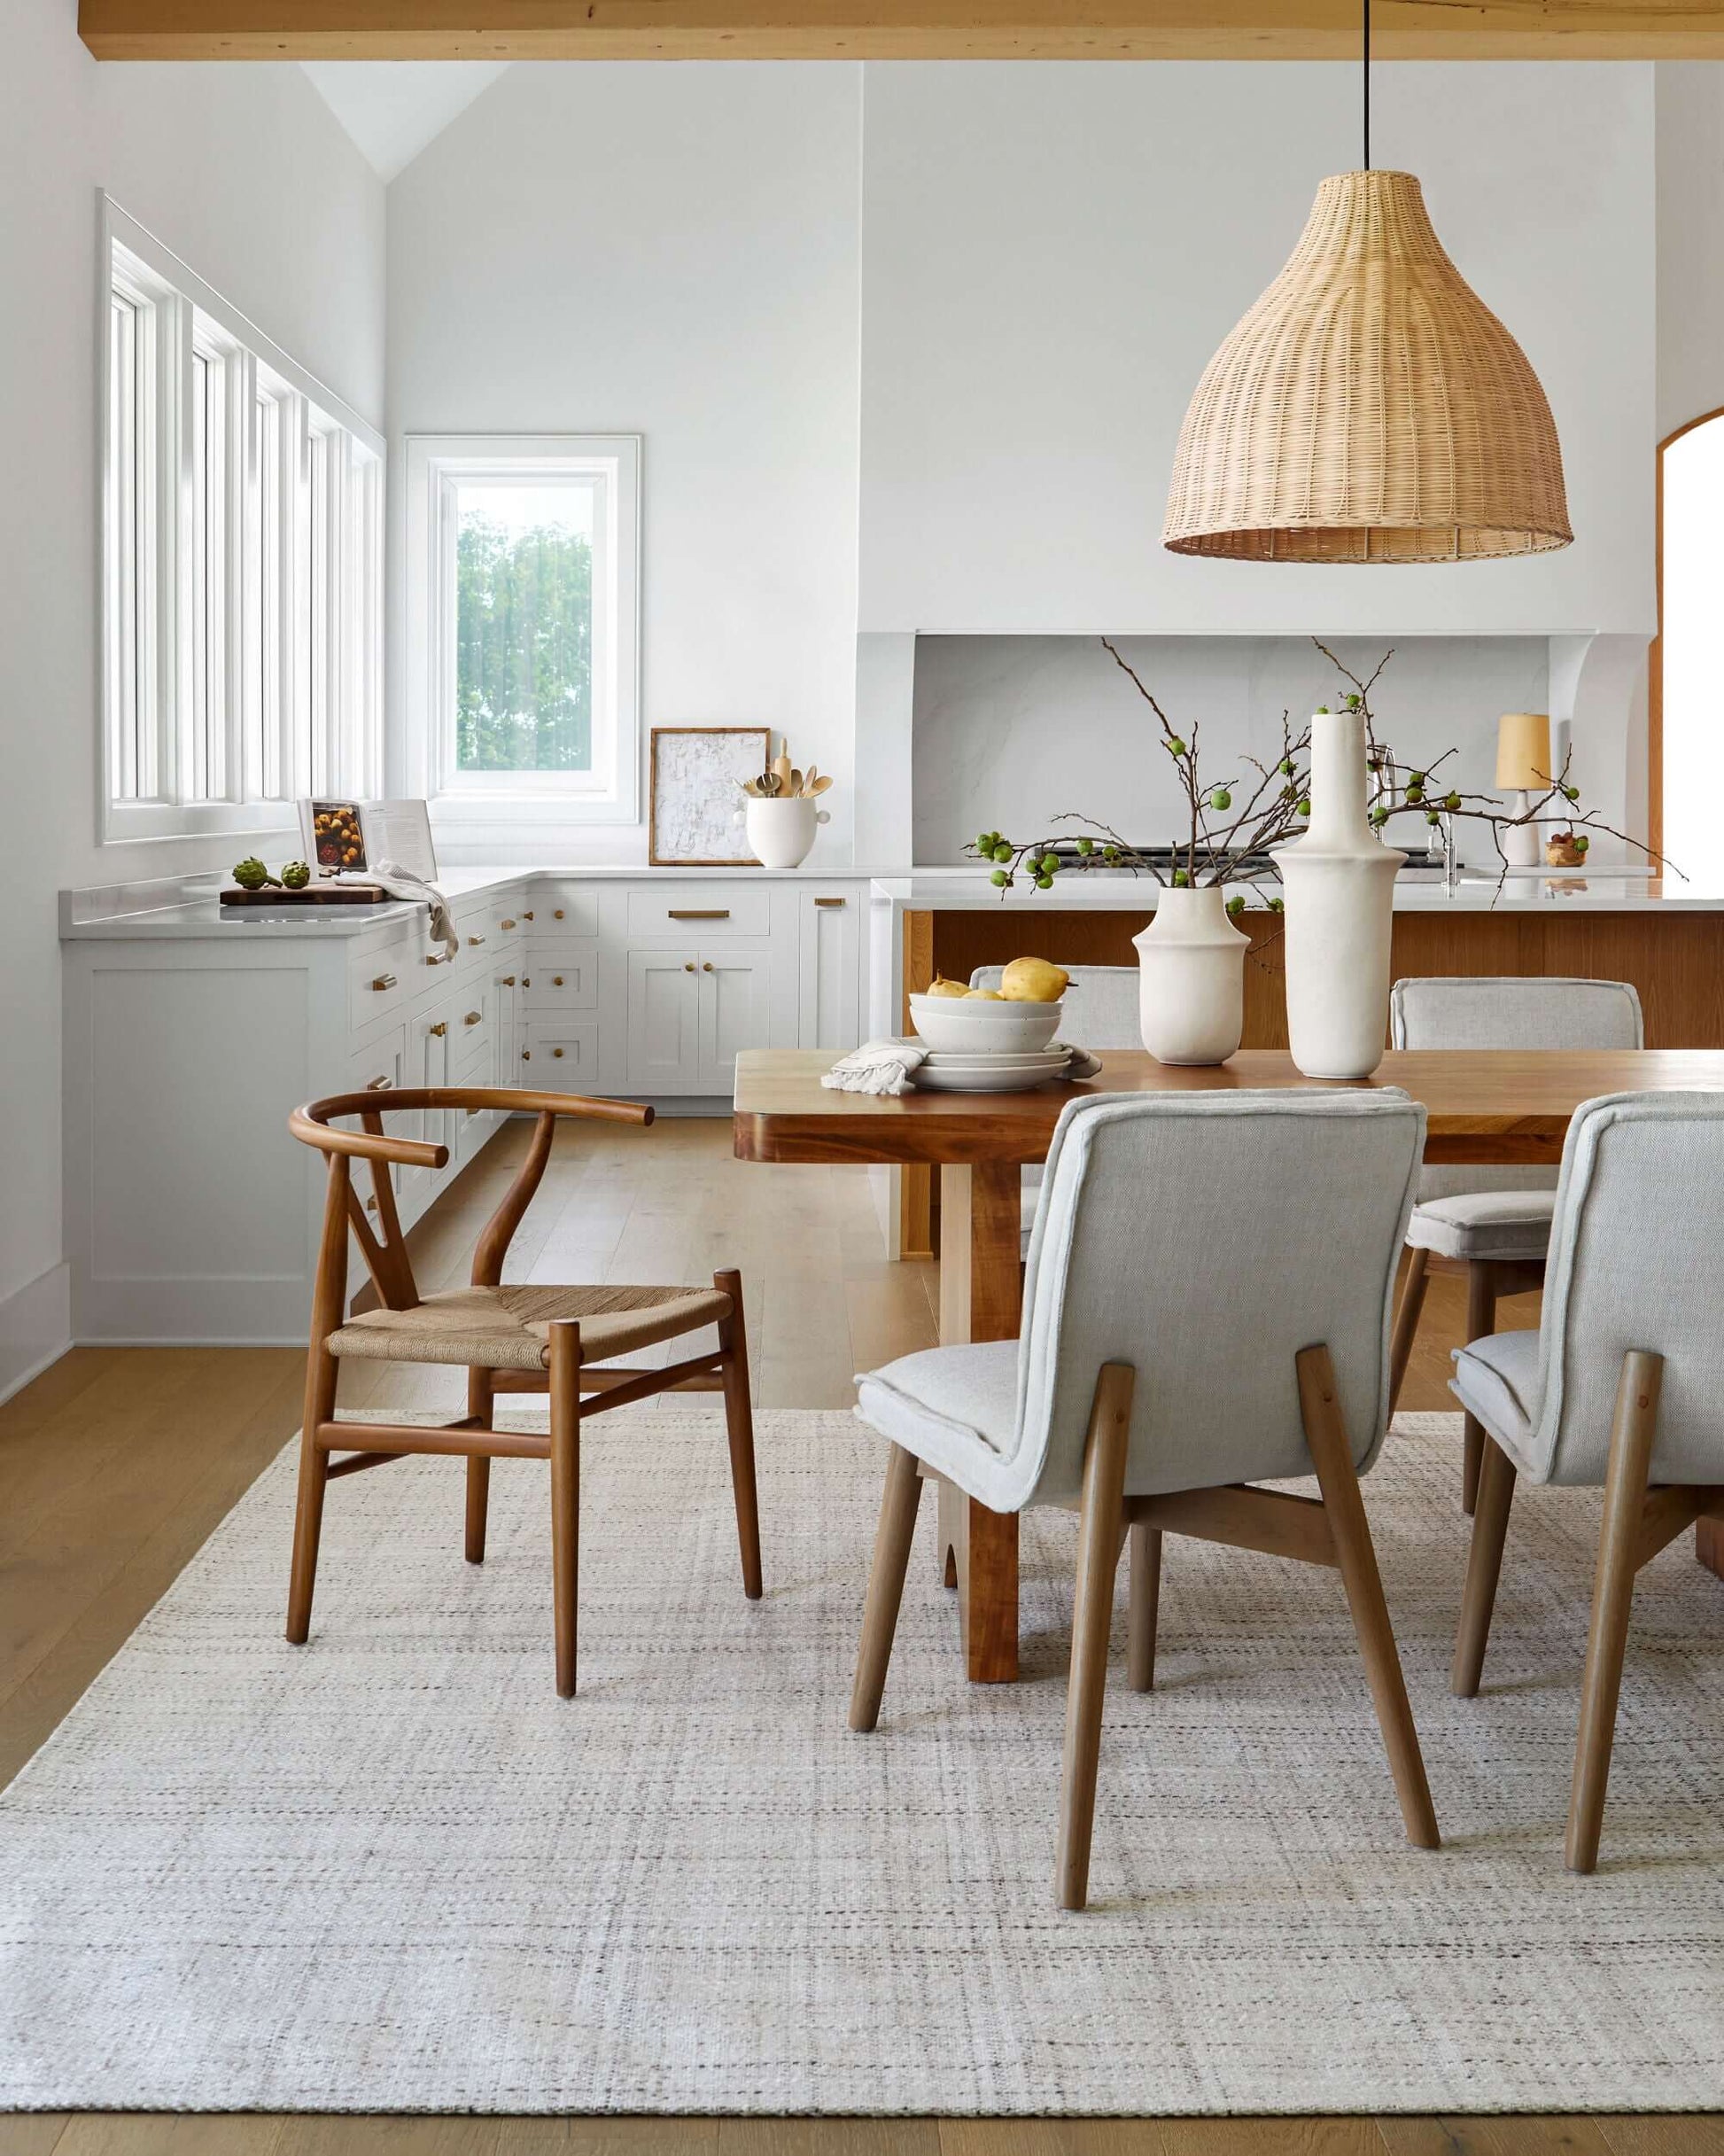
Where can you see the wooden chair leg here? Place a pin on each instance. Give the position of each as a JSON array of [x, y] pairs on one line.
[[1632, 1434], [323, 1373], [738, 1424], [1480, 1319], [1098, 1559], [480, 1401], [565, 1495], [1483, 1568], [1143, 1606], [1406, 1321], [1332, 1455], [891, 1559]]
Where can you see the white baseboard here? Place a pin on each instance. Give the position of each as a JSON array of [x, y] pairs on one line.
[[36, 1327]]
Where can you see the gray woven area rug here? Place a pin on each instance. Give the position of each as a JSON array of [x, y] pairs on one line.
[[390, 1871]]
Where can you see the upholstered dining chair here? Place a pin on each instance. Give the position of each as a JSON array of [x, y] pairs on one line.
[[1622, 1384], [1168, 1360], [1103, 1013], [1491, 1222], [509, 1339]]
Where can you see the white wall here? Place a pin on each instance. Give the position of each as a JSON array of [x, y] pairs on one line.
[[1009, 730], [1690, 188], [671, 251], [1050, 253], [243, 171]]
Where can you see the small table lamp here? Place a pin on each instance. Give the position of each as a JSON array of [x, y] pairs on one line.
[[1523, 768]]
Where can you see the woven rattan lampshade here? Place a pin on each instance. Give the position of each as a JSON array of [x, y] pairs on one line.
[[1369, 408]]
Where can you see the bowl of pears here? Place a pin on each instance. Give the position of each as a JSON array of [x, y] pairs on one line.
[[1018, 1017]]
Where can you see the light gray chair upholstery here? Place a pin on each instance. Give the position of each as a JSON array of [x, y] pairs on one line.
[[1213, 1341], [1492, 1221], [1622, 1384], [1102, 1014]]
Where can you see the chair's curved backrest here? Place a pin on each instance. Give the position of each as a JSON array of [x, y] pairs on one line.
[[1636, 1259], [1509, 1011], [1204, 1238], [1103, 1009]]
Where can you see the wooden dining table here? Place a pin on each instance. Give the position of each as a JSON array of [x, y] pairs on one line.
[[1483, 1105]]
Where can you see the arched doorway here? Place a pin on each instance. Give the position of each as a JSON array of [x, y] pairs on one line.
[[1686, 684]]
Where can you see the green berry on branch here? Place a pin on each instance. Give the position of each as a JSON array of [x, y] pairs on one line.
[[999, 877], [1044, 882], [1379, 815], [1002, 853], [1180, 879], [1582, 843], [1236, 905], [1415, 794], [1434, 816], [1111, 856], [1415, 778], [1285, 767], [1220, 798], [1176, 747], [1354, 701], [1305, 808], [1451, 800], [1049, 864], [1278, 905], [1086, 847], [1571, 793]]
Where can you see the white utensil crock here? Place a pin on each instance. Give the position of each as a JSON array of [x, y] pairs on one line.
[[780, 833]]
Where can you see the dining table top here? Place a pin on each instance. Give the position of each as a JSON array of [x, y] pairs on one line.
[[1482, 1105]]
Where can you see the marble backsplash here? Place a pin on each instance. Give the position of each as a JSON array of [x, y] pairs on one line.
[[1010, 730]]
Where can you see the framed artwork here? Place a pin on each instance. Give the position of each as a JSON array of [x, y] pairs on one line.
[[696, 774]]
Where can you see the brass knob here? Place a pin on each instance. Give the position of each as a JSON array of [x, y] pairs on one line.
[[557, 980], [439, 1029], [379, 1085], [557, 915], [526, 980], [505, 924], [476, 939], [556, 1051], [472, 1018], [706, 965], [526, 1056], [505, 981], [689, 965], [526, 917], [385, 980]]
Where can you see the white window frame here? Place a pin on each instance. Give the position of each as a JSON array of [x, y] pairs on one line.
[[436, 466], [263, 732]]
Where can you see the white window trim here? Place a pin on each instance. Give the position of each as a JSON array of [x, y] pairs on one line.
[[177, 297], [470, 802]]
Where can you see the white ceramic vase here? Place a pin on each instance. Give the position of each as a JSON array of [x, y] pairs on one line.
[[1191, 980], [780, 833], [1339, 882]]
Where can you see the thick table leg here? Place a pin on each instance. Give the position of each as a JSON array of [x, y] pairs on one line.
[[980, 1300], [1709, 1545]]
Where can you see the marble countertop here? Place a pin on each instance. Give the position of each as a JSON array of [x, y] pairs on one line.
[[1088, 891]]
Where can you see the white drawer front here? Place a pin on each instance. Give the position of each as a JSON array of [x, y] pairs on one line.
[[561, 976], [562, 1056], [377, 985], [694, 913], [563, 909], [470, 1032]]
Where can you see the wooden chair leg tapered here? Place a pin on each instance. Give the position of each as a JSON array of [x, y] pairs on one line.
[[1480, 1319], [1332, 1455], [891, 1559], [1632, 1434], [1483, 1568], [738, 1424], [565, 1495], [322, 1376], [1098, 1559], [1143, 1606], [480, 1399], [1406, 1321]]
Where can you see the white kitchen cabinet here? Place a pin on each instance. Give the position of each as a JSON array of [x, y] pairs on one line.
[[663, 1022], [736, 997], [561, 1054], [829, 996]]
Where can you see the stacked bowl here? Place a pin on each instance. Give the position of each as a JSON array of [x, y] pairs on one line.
[[977, 1045]]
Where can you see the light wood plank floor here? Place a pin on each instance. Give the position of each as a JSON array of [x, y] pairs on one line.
[[117, 1463]]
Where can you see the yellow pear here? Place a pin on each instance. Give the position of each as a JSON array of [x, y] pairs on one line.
[[988, 995], [941, 986], [1033, 980]]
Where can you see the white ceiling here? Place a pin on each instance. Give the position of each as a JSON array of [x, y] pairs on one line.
[[393, 108]]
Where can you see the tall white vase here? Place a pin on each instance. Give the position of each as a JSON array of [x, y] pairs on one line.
[[1191, 980], [1339, 882]]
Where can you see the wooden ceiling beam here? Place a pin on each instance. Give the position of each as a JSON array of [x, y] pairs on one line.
[[898, 30]]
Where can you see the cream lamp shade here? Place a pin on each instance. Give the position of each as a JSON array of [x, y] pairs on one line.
[[1523, 752], [1369, 408]]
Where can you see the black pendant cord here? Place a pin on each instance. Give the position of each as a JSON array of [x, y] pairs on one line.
[[1367, 47]]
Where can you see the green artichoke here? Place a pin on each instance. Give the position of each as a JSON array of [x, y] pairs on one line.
[[296, 875], [251, 874]]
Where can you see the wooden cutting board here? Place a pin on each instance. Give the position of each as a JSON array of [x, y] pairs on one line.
[[313, 894]]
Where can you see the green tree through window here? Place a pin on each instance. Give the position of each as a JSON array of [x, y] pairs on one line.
[[523, 648]]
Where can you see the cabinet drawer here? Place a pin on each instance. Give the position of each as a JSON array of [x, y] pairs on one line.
[[470, 1031], [563, 977], [563, 909], [693, 913], [380, 1066], [377, 985], [562, 1056]]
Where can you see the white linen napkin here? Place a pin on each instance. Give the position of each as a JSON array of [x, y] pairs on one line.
[[402, 883], [885, 1066]]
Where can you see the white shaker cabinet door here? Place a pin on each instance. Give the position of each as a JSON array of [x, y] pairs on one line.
[[735, 1011], [829, 1003], [663, 1022]]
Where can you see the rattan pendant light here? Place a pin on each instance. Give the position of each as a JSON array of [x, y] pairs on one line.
[[1369, 408]]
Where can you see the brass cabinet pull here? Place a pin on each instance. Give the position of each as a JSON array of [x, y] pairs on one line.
[[526, 1056], [526, 917], [472, 1017], [688, 966], [828, 902], [379, 1085], [505, 924], [385, 980], [697, 913], [439, 1029], [526, 980], [444, 960], [557, 980], [557, 915], [556, 1051], [506, 980], [706, 965], [476, 939]]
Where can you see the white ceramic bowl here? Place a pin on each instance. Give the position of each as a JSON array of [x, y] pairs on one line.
[[966, 1023]]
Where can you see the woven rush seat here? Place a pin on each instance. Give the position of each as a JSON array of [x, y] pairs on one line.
[[509, 1328]]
